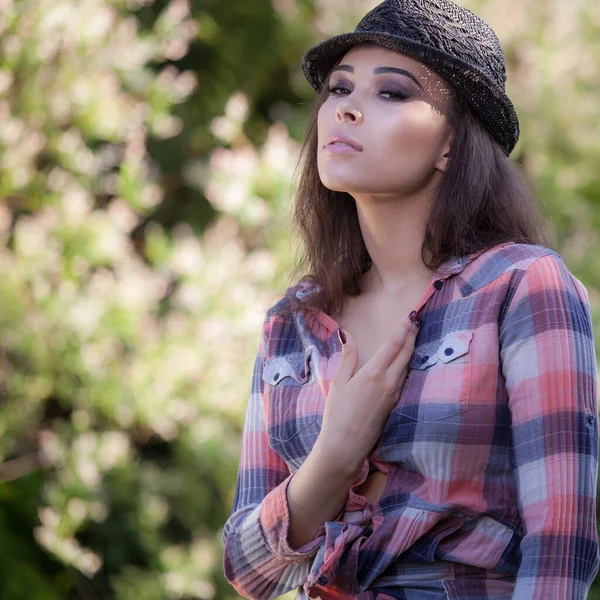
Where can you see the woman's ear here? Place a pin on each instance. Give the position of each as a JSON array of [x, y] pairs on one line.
[[442, 162]]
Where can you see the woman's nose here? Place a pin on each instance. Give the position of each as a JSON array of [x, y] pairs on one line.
[[347, 112]]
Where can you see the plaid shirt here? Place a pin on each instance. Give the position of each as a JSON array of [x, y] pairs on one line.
[[491, 450]]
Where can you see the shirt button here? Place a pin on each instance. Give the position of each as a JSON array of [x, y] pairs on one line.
[[424, 359], [322, 580], [303, 374], [276, 376], [438, 284], [449, 351]]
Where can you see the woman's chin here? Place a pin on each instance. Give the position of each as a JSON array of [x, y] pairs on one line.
[[337, 187], [339, 182]]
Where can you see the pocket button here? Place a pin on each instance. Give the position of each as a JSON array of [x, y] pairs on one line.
[[455, 345]]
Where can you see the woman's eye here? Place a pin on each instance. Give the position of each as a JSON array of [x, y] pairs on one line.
[[394, 95], [336, 90]]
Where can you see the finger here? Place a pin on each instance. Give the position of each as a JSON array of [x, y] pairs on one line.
[[403, 358], [385, 356], [349, 359]]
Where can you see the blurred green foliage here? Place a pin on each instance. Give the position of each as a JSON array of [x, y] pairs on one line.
[[148, 149]]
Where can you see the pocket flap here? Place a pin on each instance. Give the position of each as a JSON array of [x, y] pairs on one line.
[[454, 345], [290, 365]]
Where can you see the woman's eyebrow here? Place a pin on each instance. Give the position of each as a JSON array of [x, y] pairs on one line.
[[380, 70]]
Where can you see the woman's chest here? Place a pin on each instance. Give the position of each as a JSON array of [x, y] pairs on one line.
[[371, 321], [450, 407]]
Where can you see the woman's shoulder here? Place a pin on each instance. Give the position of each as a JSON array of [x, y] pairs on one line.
[[512, 263], [282, 334], [293, 300], [295, 297], [493, 263], [514, 255]]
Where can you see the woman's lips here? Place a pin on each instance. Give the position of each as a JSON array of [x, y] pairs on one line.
[[342, 143], [341, 148]]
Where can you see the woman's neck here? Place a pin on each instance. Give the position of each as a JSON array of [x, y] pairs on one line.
[[393, 232]]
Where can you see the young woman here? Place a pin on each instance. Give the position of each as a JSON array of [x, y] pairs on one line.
[[423, 421]]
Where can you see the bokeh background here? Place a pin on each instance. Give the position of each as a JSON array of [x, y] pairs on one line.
[[146, 173]]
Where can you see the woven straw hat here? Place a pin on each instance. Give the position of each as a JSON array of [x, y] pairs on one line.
[[449, 39]]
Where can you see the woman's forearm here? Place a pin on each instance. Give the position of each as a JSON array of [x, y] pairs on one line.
[[317, 493]]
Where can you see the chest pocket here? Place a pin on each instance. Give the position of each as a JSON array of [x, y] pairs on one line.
[[439, 383], [294, 405]]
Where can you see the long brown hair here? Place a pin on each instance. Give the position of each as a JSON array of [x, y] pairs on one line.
[[483, 199]]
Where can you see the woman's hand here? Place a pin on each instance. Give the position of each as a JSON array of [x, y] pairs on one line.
[[358, 405]]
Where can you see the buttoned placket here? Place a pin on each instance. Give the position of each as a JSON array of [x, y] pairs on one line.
[[444, 272]]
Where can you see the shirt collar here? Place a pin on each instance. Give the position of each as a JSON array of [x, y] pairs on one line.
[[456, 265]]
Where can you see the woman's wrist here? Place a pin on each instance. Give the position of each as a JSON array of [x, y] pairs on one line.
[[337, 459]]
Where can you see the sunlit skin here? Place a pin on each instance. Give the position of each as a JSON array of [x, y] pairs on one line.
[[405, 137], [400, 124], [395, 110]]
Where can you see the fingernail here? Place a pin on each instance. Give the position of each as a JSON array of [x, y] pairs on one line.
[[417, 323], [412, 315], [342, 336]]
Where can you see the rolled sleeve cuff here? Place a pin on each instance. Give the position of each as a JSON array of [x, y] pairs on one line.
[[274, 518]]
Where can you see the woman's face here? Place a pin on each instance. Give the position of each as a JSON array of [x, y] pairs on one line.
[[392, 109]]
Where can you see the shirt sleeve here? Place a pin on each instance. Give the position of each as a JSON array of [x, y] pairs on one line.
[[258, 560], [549, 365]]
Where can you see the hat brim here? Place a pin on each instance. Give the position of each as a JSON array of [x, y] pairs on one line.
[[487, 100]]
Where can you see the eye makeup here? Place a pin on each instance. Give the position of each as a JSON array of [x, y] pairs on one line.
[[388, 90], [380, 70]]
